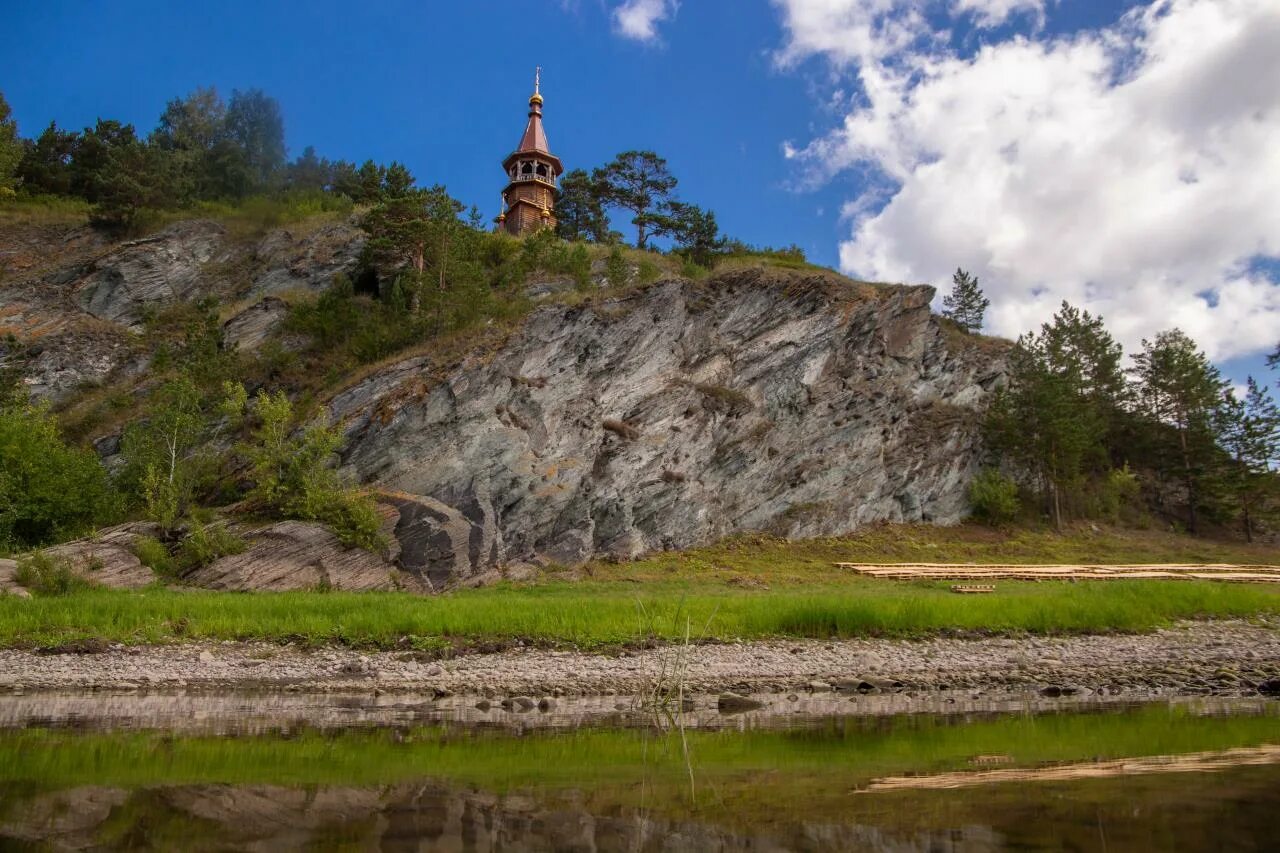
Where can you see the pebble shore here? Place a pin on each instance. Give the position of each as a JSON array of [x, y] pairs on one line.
[[1194, 658]]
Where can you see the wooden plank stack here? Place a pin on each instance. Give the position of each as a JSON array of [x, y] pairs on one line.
[[980, 572]]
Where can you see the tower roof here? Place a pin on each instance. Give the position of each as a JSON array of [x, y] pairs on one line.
[[534, 138]]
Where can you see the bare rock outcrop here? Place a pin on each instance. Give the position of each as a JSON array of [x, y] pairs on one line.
[[151, 272], [77, 300], [290, 260], [291, 555], [762, 400], [253, 326]]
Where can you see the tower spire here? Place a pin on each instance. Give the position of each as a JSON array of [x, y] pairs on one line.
[[535, 100], [532, 171]]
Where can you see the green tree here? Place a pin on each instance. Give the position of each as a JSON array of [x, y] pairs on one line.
[[48, 491], [1176, 386], [162, 452], [580, 212], [1056, 418], [309, 172], [255, 125], [192, 130], [135, 177], [640, 182], [46, 162], [1043, 426], [397, 181], [694, 230], [93, 156], [1249, 431], [965, 304], [10, 148]]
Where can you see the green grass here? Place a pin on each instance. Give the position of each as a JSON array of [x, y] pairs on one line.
[[748, 588], [853, 750], [605, 613]]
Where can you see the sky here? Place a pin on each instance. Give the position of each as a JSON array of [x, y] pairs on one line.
[[1119, 154]]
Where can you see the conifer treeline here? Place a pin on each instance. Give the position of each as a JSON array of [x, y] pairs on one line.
[[202, 149], [1074, 425]]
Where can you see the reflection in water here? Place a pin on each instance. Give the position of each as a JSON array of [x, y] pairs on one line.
[[1190, 776]]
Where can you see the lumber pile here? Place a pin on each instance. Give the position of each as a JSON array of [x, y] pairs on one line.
[[979, 572], [1195, 762]]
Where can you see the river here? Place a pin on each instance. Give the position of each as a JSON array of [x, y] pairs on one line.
[[245, 772]]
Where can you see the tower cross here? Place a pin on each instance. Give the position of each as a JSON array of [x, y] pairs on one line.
[[537, 80]]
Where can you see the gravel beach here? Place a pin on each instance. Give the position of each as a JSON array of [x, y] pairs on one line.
[[1194, 658]]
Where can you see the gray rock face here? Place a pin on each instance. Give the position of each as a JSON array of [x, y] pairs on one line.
[[154, 271], [799, 404], [289, 261], [79, 300], [251, 328]]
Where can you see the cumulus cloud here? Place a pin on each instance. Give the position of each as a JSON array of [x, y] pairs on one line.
[[1131, 170], [639, 19]]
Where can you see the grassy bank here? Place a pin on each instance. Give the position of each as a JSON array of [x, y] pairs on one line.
[[748, 588], [603, 613]]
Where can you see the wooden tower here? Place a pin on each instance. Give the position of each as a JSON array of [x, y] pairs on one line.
[[529, 201]]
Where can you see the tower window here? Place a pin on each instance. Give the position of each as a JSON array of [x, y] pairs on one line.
[[542, 170], [526, 169]]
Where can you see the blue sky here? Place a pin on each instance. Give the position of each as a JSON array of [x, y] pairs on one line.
[[890, 138]]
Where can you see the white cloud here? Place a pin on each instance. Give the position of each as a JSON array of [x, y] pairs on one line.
[[639, 19], [1131, 170], [993, 13]]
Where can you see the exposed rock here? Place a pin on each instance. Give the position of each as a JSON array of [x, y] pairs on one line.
[[296, 555], [289, 260], [8, 582], [108, 559], [251, 328], [732, 703], [154, 271], [797, 403]]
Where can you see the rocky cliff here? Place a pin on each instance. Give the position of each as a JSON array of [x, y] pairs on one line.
[[793, 402]]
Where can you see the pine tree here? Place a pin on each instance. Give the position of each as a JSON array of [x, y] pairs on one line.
[[695, 231], [965, 304], [580, 213], [1177, 386], [1054, 420], [1249, 430], [640, 182]]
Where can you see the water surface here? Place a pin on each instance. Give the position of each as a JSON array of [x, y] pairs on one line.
[[219, 773]]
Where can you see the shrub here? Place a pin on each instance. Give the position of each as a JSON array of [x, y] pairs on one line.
[[994, 497], [615, 267], [206, 543], [42, 574], [292, 477], [48, 490], [1119, 497], [153, 554], [647, 272]]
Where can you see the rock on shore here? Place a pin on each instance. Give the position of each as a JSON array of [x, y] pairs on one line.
[[1225, 658]]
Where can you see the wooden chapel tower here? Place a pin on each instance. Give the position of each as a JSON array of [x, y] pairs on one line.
[[529, 201]]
